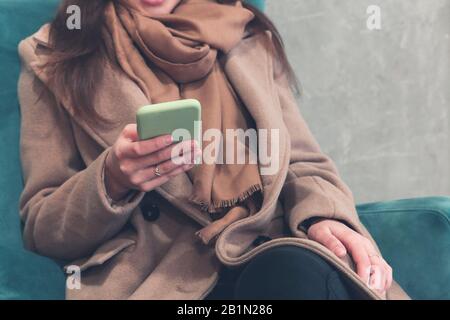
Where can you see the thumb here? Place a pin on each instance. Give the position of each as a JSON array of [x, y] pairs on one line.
[[130, 132]]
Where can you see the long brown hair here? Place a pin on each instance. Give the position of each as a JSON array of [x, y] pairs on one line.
[[75, 63]]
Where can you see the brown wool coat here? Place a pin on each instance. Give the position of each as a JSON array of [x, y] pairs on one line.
[[67, 214]]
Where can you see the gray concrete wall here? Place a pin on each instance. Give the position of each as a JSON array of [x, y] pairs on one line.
[[377, 101]]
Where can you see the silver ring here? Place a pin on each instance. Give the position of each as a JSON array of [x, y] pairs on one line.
[[157, 171], [374, 255]]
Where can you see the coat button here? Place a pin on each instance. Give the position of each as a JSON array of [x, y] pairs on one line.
[[260, 240], [150, 212]]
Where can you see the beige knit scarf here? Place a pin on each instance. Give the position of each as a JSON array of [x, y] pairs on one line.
[[176, 56]]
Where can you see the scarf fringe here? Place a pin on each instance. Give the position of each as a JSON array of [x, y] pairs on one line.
[[215, 206]]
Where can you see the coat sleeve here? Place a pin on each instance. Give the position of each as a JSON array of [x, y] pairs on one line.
[[64, 207], [313, 187]]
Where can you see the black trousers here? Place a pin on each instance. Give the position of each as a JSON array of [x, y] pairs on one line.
[[285, 272]]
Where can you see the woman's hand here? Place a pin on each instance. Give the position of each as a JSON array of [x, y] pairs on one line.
[[340, 239], [131, 164]]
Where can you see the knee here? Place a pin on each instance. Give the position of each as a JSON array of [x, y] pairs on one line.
[[289, 272], [288, 259]]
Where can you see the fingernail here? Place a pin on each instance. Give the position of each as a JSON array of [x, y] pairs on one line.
[[169, 139]]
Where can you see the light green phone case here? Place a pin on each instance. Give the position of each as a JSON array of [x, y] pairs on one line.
[[165, 118]]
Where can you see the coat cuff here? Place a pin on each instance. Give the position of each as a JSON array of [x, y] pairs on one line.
[[125, 205], [312, 197], [306, 224]]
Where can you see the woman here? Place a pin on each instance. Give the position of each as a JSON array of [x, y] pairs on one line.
[[128, 216]]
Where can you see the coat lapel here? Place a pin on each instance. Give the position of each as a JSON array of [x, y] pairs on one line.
[[249, 69]]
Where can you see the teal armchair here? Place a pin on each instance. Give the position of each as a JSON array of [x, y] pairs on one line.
[[414, 235], [260, 4]]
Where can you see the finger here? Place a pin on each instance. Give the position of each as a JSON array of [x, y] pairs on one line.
[[359, 254], [378, 274], [163, 155], [145, 147], [130, 132], [379, 281], [326, 238], [154, 183], [362, 261], [165, 168], [389, 276], [180, 170], [356, 245]]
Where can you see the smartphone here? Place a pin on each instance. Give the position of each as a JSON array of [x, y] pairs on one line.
[[179, 118]]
